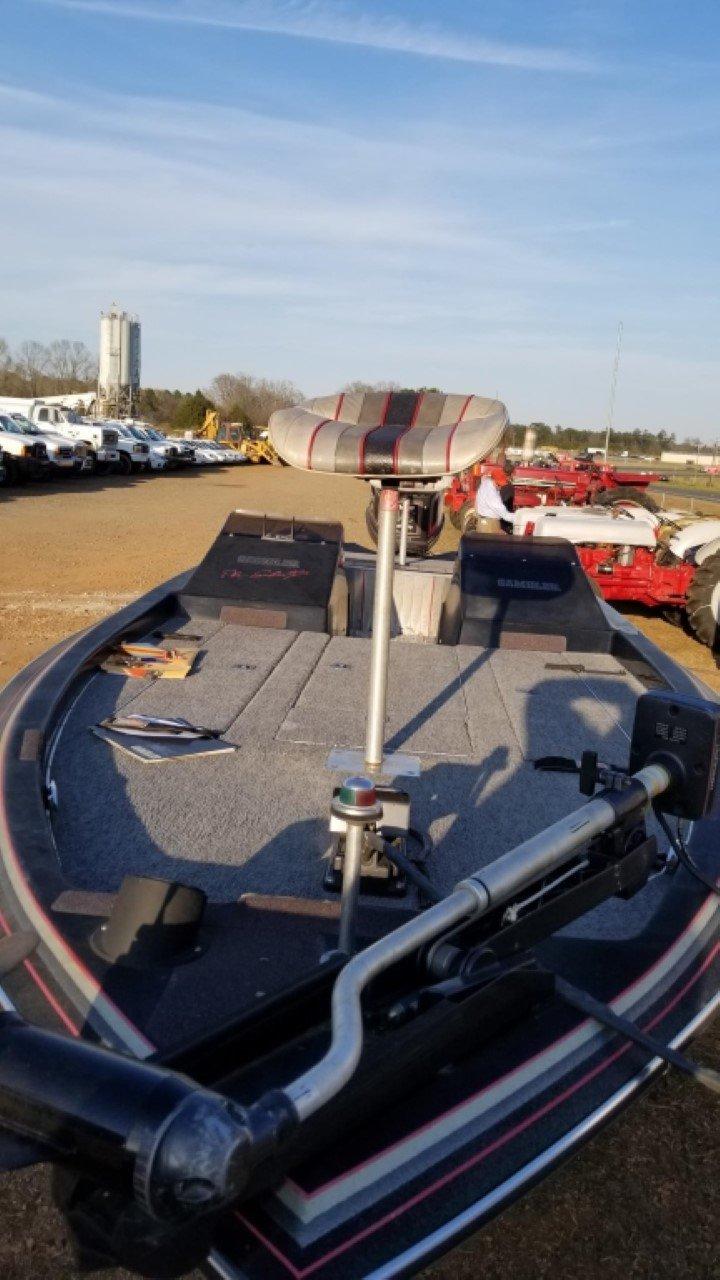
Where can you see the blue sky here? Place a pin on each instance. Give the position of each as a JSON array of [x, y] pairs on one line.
[[463, 194]]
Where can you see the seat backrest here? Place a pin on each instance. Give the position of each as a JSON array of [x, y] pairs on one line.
[[409, 434]]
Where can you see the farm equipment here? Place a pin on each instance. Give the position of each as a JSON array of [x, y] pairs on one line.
[[251, 441], [669, 562], [576, 482], [256, 447]]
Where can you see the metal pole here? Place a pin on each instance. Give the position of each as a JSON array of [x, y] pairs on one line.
[[404, 523], [613, 389], [350, 886], [541, 854], [357, 805], [382, 618]]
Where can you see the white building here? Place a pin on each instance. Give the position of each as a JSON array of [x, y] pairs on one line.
[[705, 458]]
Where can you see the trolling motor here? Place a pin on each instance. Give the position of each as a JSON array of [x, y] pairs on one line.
[[180, 1153], [674, 751]]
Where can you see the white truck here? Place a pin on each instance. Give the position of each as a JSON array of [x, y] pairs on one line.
[[22, 458], [101, 438], [164, 453], [66, 457], [133, 454]]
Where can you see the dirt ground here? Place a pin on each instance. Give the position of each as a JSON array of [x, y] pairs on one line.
[[642, 1201]]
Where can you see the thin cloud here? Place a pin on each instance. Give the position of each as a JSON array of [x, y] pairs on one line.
[[336, 24], [12, 93]]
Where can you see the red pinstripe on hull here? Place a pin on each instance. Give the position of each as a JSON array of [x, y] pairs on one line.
[[299, 1273], [43, 987]]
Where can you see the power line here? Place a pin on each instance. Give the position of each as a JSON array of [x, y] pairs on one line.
[[613, 389]]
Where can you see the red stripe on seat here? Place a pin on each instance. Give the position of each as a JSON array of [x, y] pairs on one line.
[[312, 441], [364, 438], [451, 437], [413, 420], [339, 405]]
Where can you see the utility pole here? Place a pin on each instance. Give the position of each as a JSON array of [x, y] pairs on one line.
[[613, 389]]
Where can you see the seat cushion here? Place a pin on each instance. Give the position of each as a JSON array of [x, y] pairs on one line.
[[389, 433]]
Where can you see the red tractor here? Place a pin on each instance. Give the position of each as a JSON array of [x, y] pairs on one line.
[[551, 483], [669, 562]]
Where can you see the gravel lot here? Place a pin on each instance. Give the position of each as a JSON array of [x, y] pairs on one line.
[[642, 1201]]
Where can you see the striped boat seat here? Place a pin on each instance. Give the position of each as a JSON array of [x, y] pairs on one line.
[[389, 433]]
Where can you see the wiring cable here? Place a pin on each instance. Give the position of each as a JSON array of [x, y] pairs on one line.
[[682, 853]]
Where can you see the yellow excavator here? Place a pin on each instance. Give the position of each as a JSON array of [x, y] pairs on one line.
[[252, 441]]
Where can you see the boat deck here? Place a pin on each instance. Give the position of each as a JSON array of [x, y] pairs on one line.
[[256, 821]]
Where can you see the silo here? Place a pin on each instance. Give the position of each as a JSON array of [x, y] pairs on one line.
[[119, 367], [529, 443], [134, 354]]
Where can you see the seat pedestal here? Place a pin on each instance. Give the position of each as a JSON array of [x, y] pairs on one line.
[[372, 760]]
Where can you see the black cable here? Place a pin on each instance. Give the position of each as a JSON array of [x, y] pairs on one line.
[[606, 1016], [424, 840], [413, 873], [681, 852]]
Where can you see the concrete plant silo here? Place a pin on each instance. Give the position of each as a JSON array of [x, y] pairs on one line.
[[119, 366]]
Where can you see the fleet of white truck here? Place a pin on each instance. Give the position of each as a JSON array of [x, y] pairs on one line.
[[40, 437]]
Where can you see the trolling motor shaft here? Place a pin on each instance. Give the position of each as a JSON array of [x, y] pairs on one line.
[[183, 1151]]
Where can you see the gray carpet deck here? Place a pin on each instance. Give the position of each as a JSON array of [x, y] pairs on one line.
[[257, 819]]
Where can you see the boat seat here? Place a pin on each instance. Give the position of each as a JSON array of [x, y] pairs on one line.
[[407, 434]]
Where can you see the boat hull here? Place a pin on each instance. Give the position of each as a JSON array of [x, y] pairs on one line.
[[380, 1198]]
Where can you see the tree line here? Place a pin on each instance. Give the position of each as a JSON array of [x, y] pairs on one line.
[[238, 397], [33, 369], [652, 443]]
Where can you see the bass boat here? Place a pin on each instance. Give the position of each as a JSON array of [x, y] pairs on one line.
[[317, 955]]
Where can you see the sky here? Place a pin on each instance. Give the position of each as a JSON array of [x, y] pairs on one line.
[[464, 194]]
